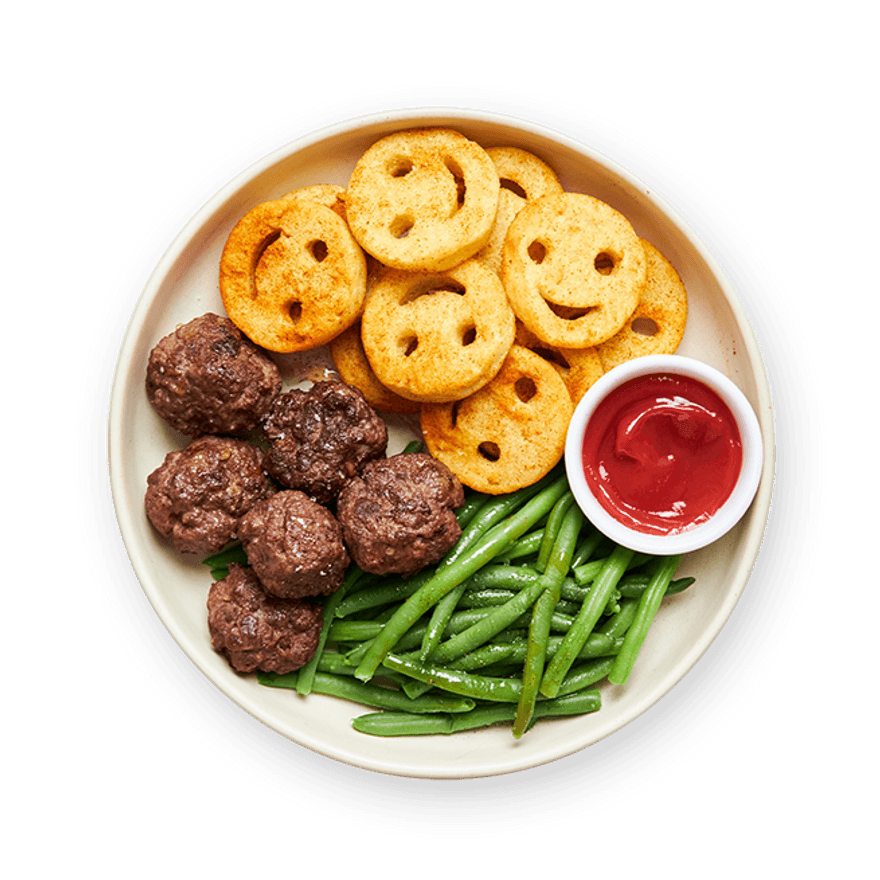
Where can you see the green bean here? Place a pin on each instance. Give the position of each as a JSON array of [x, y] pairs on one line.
[[235, 553], [383, 615], [412, 688], [495, 511], [516, 642], [368, 630], [486, 598], [471, 507], [412, 447], [366, 581], [678, 585], [551, 530], [533, 666], [567, 608], [488, 655], [617, 625], [630, 586], [336, 664], [612, 606], [512, 577], [369, 694], [633, 586], [443, 610], [556, 565], [559, 622], [355, 630], [468, 617], [489, 515], [306, 677], [597, 645], [648, 605], [586, 547], [490, 626], [402, 724], [356, 654], [469, 620], [503, 641], [573, 591], [587, 618], [585, 674], [498, 537], [527, 545], [465, 684], [491, 598], [330, 661], [390, 590], [484, 656], [591, 570], [636, 589]]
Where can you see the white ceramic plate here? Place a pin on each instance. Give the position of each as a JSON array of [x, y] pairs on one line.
[[185, 285]]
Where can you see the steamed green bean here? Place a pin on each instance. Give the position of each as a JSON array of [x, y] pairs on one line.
[[490, 544], [402, 724], [523, 617]]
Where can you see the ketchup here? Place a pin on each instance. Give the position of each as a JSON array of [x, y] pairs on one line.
[[662, 453]]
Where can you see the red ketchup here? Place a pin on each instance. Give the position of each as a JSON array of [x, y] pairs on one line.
[[662, 453]]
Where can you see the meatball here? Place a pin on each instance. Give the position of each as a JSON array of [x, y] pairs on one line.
[[254, 630], [197, 496], [398, 516], [207, 378], [321, 437], [294, 545]]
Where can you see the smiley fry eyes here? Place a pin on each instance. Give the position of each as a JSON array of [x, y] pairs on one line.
[[604, 262], [318, 249]]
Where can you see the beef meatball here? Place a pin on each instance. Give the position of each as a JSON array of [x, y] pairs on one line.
[[208, 378], [254, 630], [294, 545], [197, 496], [398, 516], [321, 437]]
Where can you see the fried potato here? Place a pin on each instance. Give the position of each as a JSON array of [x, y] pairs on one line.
[[423, 199], [508, 434], [435, 337], [579, 368], [331, 195], [523, 177], [573, 268], [347, 353], [291, 275], [658, 322]]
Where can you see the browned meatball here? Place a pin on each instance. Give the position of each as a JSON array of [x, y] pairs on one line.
[[398, 516], [294, 545], [322, 437], [208, 378], [197, 496], [254, 630]]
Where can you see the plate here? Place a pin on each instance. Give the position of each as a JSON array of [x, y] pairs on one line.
[[184, 285], [710, 647]]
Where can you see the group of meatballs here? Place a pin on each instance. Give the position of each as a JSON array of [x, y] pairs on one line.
[[299, 477]]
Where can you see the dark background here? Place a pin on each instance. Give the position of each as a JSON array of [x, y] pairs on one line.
[[110, 111]]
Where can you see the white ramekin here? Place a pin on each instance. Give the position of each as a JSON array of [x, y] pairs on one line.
[[743, 492]]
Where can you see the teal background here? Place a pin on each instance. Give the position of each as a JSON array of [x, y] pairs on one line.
[[110, 109]]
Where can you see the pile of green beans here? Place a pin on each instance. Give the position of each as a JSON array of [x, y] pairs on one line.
[[521, 620]]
